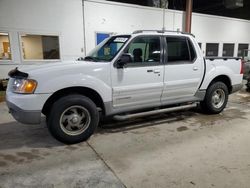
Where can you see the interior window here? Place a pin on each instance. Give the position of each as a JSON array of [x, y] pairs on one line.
[[5, 53], [241, 49], [228, 49], [40, 47], [145, 49], [177, 49], [212, 49]]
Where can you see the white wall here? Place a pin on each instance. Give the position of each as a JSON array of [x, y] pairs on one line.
[[215, 29], [66, 17], [104, 16], [125, 18], [57, 17]]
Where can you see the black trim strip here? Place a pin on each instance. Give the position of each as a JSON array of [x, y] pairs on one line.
[[224, 58], [204, 73]]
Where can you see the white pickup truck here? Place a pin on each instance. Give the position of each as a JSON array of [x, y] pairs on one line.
[[147, 71]]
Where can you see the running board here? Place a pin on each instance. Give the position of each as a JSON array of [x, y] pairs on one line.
[[153, 112]]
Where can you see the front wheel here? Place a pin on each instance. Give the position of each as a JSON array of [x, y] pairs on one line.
[[216, 98], [73, 119]]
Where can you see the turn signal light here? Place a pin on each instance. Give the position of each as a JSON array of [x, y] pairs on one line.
[[30, 86]]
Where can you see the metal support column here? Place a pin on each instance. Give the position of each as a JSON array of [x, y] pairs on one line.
[[188, 21]]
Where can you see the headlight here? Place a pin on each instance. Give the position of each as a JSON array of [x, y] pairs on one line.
[[24, 86]]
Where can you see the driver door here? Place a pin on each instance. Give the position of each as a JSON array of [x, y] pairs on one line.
[[139, 83]]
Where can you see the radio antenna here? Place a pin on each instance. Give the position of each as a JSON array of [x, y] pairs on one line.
[[164, 4]]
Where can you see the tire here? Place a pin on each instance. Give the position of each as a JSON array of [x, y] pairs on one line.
[[216, 98], [248, 84], [73, 119]]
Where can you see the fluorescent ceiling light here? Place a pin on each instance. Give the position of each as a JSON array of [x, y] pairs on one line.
[[4, 34]]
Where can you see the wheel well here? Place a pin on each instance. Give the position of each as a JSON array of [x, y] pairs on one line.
[[225, 79], [90, 93]]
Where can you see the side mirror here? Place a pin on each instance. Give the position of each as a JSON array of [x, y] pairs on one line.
[[123, 60]]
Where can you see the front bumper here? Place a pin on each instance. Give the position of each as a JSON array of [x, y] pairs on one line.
[[24, 116], [26, 108]]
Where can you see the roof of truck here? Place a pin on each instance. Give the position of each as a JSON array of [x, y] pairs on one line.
[[161, 32]]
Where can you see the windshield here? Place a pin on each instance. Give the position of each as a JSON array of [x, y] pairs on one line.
[[108, 49]]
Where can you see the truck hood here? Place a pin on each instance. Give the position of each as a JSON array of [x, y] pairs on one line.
[[55, 76], [49, 68]]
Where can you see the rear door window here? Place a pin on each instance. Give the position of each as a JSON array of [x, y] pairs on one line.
[[179, 50]]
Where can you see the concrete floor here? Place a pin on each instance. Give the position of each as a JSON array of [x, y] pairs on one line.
[[184, 149]]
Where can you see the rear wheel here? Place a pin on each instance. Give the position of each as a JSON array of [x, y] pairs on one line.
[[248, 84], [73, 119], [216, 98]]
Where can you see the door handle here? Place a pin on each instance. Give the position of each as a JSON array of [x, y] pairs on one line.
[[149, 70], [195, 68], [157, 71]]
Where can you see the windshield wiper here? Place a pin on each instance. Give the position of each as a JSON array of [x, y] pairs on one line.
[[90, 58]]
